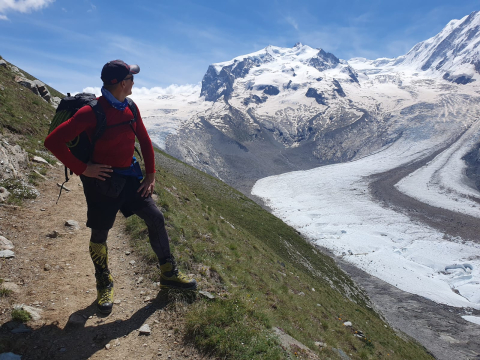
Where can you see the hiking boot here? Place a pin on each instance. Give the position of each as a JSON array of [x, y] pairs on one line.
[[104, 292], [172, 278]]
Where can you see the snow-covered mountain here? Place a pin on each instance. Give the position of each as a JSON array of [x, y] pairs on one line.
[[283, 109], [453, 54]]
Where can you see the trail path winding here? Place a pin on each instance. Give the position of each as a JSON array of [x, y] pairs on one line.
[[55, 275]]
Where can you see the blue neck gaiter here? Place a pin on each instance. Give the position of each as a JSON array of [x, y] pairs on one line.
[[113, 101]]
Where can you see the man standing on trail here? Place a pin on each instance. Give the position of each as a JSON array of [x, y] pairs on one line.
[[112, 179]]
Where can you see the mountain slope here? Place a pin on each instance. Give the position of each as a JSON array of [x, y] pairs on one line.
[[261, 271]]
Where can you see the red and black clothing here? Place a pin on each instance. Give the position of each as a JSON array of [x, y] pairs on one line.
[[115, 148]]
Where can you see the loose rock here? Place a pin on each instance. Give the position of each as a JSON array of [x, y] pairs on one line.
[[347, 323], [7, 254], [145, 330], [6, 244], [47, 267], [4, 194], [40, 160], [54, 234], [72, 224], [76, 320], [64, 187], [207, 294], [11, 286]]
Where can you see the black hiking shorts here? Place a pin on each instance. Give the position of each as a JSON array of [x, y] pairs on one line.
[[106, 198]]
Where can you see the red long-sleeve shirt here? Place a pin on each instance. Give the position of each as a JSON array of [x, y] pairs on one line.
[[115, 147]]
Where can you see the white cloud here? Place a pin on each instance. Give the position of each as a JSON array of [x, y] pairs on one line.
[[144, 92], [292, 22], [3, 17], [23, 6]]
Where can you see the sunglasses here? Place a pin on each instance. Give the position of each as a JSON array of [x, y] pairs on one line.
[[129, 78]]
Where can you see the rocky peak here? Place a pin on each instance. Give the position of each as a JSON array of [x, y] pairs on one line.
[[455, 50]]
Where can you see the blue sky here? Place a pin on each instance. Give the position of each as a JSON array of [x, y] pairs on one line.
[[65, 43]]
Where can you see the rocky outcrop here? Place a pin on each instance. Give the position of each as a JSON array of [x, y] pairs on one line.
[[12, 159], [269, 89], [217, 84], [36, 86], [255, 99], [313, 93], [29, 84], [324, 61], [42, 89], [338, 88], [459, 79]]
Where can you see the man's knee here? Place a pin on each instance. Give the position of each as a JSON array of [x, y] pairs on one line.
[[152, 216], [99, 236]]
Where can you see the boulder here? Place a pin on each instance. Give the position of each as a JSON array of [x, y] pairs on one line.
[[55, 101], [29, 84], [42, 89], [3, 63]]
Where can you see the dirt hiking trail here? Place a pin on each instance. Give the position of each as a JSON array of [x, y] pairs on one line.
[[53, 273]]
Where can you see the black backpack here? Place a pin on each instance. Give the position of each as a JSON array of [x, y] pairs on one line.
[[81, 147]]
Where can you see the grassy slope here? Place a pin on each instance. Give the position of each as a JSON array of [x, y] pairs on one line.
[[22, 112], [262, 271]]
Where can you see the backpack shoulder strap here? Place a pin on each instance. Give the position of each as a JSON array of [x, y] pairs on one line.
[[101, 123], [133, 108]]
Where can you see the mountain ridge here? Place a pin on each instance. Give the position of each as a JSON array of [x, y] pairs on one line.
[[307, 102]]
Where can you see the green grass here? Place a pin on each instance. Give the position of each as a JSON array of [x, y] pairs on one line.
[[251, 259], [18, 191], [4, 292], [21, 315], [230, 330]]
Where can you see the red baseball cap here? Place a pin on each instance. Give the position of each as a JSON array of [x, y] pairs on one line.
[[115, 71]]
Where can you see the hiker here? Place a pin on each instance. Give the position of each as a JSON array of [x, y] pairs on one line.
[[112, 178]]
